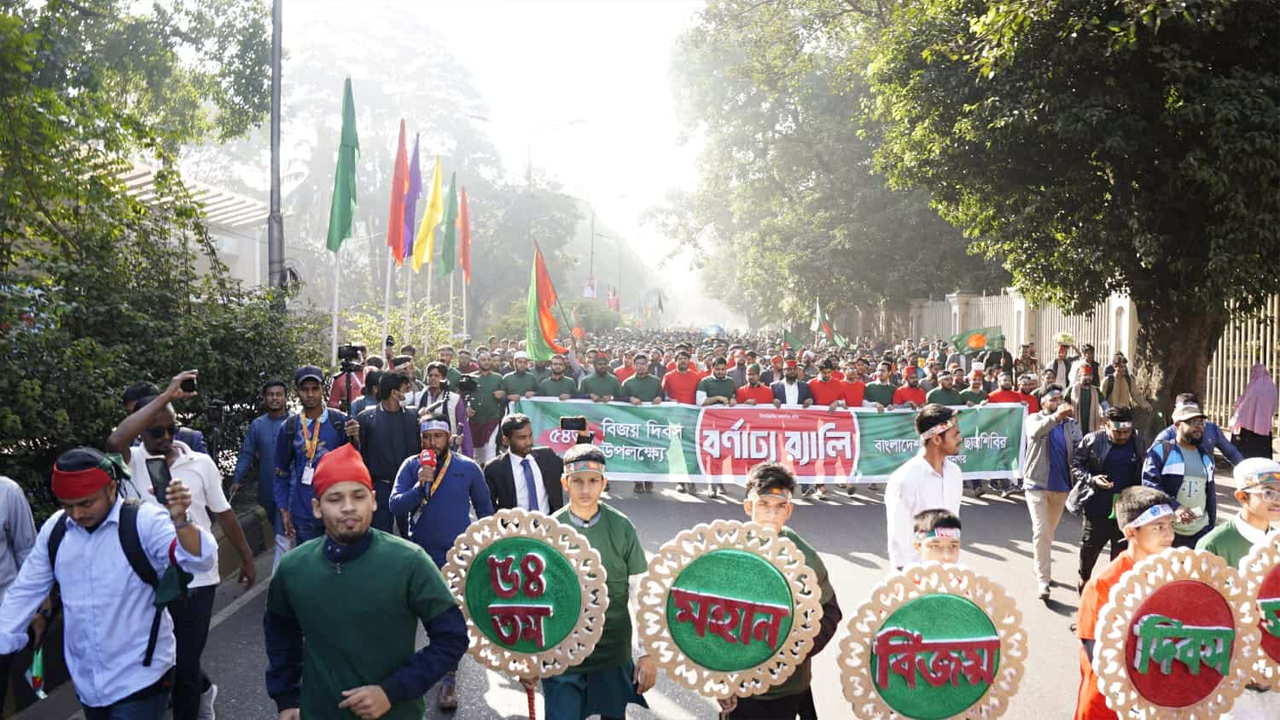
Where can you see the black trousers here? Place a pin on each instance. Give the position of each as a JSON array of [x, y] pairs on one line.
[[783, 708], [191, 630], [1094, 534]]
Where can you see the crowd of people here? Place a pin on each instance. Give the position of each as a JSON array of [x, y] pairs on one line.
[[384, 465]]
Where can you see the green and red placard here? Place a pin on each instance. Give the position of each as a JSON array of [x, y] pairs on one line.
[[729, 609], [930, 642], [1177, 637], [1261, 570], [532, 590]]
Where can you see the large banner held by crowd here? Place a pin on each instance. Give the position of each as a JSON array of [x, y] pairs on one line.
[[684, 443]]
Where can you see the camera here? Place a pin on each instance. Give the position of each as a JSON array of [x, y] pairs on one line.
[[468, 384], [350, 353], [215, 413]]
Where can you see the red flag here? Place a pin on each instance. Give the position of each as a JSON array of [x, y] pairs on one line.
[[540, 334], [464, 248], [399, 184]]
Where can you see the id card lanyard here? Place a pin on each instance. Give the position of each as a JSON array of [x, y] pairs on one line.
[[309, 445]]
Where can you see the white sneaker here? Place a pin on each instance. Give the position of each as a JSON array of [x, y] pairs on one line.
[[1044, 591], [206, 703]]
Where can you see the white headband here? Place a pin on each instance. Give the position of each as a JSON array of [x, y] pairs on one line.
[[1122, 425], [937, 429], [1152, 514]]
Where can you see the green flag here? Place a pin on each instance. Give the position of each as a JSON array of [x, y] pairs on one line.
[[343, 207], [821, 323], [987, 338], [449, 246], [840, 340], [791, 341]]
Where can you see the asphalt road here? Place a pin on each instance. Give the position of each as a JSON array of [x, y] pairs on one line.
[[848, 532]]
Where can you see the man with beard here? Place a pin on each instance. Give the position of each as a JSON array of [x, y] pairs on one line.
[[520, 383], [485, 408], [881, 389], [910, 395], [601, 385], [438, 489], [928, 481], [260, 446], [641, 387], [385, 434], [945, 393], [1027, 390], [826, 390], [302, 441], [1109, 461], [337, 617], [789, 390], [718, 389], [557, 385], [680, 384], [155, 421], [1117, 386], [1004, 392], [754, 392], [525, 476], [773, 373], [1052, 436], [1184, 470], [1087, 400], [975, 394]]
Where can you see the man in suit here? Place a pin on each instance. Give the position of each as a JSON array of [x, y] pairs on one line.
[[789, 390], [524, 476]]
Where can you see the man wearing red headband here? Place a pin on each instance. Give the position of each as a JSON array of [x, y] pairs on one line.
[[354, 572], [119, 646]]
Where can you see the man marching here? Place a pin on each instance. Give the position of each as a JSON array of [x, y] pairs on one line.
[[927, 481]]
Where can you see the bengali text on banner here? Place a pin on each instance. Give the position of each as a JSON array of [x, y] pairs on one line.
[[684, 443]]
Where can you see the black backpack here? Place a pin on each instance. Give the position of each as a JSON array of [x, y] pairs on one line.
[[133, 552]]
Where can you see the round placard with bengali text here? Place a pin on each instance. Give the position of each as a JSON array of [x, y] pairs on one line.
[[933, 641], [729, 609], [532, 590], [1176, 638], [1261, 570]]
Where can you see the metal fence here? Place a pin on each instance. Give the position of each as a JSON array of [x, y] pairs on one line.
[[1245, 342], [1092, 329]]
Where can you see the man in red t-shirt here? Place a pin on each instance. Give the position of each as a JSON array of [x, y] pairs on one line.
[[1006, 393], [825, 389], [854, 387], [681, 384], [754, 393], [909, 395], [1146, 517], [1027, 385]]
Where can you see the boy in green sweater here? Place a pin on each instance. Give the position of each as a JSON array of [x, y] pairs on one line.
[[768, 503], [343, 611], [1258, 491], [607, 681]]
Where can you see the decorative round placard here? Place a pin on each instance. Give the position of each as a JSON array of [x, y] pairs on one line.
[[729, 609], [1176, 638], [1261, 570], [933, 641], [532, 590]]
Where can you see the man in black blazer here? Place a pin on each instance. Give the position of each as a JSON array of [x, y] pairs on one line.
[[511, 474], [800, 394]]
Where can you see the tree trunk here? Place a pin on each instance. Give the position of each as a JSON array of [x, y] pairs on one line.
[[1172, 357]]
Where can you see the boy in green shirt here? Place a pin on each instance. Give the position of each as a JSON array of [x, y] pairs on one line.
[[768, 503], [607, 681], [717, 388], [1258, 491], [974, 394], [556, 385], [642, 387]]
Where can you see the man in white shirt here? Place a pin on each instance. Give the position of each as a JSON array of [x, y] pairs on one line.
[[162, 456], [524, 476], [928, 481], [119, 647]]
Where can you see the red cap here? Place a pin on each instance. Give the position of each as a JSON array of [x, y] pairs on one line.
[[1086, 370], [953, 366], [338, 466], [791, 364], [976, 373], [777, 359], [909, 372]]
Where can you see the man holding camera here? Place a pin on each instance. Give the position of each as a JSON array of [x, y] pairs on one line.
[[385, 434], [349, 383]]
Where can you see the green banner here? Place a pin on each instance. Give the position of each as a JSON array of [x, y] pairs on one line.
[[683, 443]]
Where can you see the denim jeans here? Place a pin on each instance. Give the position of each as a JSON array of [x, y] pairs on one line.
[[151, 707]]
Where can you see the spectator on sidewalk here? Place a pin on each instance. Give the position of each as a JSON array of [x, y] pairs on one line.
[[1184, 470], [1251, 418]]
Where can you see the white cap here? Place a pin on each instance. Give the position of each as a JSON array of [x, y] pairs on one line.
[[521, 355], [1247, 472]]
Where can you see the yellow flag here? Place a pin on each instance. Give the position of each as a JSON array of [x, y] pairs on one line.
[[424, 243]]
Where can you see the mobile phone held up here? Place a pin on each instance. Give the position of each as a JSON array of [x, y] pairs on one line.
[[158, 469], [189, 385], [576, 423]]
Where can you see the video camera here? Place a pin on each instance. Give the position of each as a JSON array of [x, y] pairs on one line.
[[468, 384], [349, 355]]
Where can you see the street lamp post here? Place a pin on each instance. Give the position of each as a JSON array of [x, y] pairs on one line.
[[275, 222]]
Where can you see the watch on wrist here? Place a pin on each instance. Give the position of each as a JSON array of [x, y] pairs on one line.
[[186, 520]]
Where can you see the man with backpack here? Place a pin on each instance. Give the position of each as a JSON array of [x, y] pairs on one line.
[[114, 560], [304, 439]]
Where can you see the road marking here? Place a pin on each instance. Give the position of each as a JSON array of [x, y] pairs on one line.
[[239, 602]]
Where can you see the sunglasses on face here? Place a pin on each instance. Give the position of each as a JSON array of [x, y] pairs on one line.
[[158, 432]]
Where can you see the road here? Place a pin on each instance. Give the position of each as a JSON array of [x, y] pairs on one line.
[[849, 533]]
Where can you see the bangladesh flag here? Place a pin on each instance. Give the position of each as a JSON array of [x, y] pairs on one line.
[[541, 325], [821, 323], [987, 338], [790, 341]]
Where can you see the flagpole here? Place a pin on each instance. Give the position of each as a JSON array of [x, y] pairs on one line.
[[451, 306], [464, 307], [386, 303], [426, 338], [337, 280], [408, 300]]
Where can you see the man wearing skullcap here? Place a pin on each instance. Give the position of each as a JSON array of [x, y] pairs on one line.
[[1086, 398], [343, 610], [119, 646]]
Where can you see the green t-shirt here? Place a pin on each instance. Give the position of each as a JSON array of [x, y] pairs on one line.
[[944, 396], [1192, 492], [614, 537], [541, 373], [516, 384], [803, 675], [482, 400], [647, 388], [366, 626], [881, 392], [555, 388], [603, 385], [454, 377], [1226, 542], [718, 388], [972, 396]]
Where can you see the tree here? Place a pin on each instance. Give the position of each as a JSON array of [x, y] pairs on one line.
[[1095, 147], [788, 208]]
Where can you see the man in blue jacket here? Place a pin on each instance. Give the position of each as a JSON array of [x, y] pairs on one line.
[[1184, 470], [1213, 436], [260, 446], [302, 441], [438, 500]]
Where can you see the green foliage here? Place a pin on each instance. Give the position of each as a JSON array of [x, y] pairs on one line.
[[789, 208], [362, 325], [98, 290]]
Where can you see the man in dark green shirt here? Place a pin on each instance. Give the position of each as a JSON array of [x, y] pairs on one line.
[[642, 387], [557, 385], [945, 393], [718, 388], [445, 355], [602, 385], [880, 390], [974, 394], [521, 382], [485, 408]]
